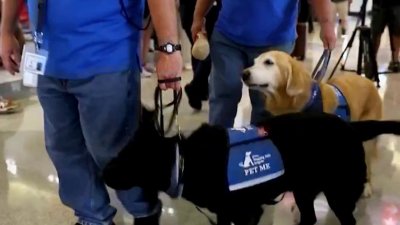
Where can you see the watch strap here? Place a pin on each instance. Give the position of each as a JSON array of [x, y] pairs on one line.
[[164, 47]]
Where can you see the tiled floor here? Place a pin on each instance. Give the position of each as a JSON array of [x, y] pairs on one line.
[[28, 181]]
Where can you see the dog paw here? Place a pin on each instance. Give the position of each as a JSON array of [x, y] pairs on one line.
[[367, 190]]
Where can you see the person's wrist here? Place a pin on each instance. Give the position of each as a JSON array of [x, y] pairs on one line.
[[198, 17], [163, 41], [326, 22], [168, 55], [326, 25], [6, 32], [169, 47]]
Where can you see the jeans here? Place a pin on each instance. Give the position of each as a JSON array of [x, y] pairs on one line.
[[87, 122], [228, 61]]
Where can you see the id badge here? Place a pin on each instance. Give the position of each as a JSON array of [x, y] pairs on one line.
[[33, 64]]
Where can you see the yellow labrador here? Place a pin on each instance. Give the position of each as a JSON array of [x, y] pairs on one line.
[[290, 88]]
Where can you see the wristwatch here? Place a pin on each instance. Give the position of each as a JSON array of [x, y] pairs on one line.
[[169, 48]]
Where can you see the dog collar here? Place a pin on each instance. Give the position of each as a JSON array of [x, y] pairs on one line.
[[314, 104]]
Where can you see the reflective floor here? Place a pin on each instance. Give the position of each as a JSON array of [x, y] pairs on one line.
[[28, 181]]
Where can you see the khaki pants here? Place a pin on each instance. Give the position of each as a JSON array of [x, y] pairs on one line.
[[341, 10]]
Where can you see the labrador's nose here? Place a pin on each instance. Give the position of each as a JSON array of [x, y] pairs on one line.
[[246, 75]]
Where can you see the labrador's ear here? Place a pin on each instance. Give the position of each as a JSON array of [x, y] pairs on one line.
[[296, 78]]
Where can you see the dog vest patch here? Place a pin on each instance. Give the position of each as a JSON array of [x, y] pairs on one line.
[[253, 158]]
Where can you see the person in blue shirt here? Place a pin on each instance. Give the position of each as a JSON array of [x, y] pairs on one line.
[[90, 93], [244, 30]]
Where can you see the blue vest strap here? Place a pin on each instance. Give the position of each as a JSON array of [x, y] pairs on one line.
[[342, 110], [315, 103]]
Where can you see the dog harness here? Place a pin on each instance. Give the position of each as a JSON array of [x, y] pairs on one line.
[[253, 158], [315, 103], [342, 110]]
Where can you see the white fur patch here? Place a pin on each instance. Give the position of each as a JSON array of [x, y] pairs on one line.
[[263, 76]]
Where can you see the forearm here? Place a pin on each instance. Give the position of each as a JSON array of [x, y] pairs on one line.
[[164, 19], [323, 10], [9, 16], [202, 7]]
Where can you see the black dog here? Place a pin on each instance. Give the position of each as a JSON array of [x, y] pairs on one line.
[[320, 153]]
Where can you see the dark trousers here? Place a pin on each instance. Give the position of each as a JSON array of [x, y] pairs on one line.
[[201, 69]]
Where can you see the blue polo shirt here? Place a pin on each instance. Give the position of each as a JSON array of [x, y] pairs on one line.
[[258, 23], [90, 37]]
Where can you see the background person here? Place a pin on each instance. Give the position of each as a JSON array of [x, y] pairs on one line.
[[387, 13], [243, 31], [197, 89], [341, 11]]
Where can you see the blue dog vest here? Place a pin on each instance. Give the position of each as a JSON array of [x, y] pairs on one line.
[[253, 158], [342, 109], [315, 103]]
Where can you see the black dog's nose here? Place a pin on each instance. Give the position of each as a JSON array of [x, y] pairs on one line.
[[246, 75]]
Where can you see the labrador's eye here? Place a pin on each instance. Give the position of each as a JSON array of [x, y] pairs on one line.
[[268, 62]]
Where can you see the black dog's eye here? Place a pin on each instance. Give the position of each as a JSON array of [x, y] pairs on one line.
[[268, 62]]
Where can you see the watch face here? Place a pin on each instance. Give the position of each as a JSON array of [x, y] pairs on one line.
[[169, 48]]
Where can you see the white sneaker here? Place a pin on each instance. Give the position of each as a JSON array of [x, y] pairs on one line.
[[150, 67], [187, 66], [145, 73]]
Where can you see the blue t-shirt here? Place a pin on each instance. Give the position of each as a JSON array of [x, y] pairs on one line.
[[90, 37], [258, 23]]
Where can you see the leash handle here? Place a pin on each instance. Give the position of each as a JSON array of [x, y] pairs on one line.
[[159, 108], [322, 66], [170, 80], [161, 115]]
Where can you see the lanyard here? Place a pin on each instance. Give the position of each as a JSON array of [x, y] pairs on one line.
[[37, 10]]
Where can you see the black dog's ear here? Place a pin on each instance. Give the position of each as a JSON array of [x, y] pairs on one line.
[[146, 114]]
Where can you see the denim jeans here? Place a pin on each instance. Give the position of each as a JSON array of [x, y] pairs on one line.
[[228, 61], [87, 122]]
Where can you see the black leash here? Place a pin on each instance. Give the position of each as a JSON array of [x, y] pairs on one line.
[[159, 107], [322, 66], [159, 124], [158, 101]]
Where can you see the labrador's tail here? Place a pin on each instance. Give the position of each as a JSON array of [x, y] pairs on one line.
[[370, 129]]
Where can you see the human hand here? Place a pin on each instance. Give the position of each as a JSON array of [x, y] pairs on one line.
[[327, 35], [169, 66], [197, 27], [10, 53]]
